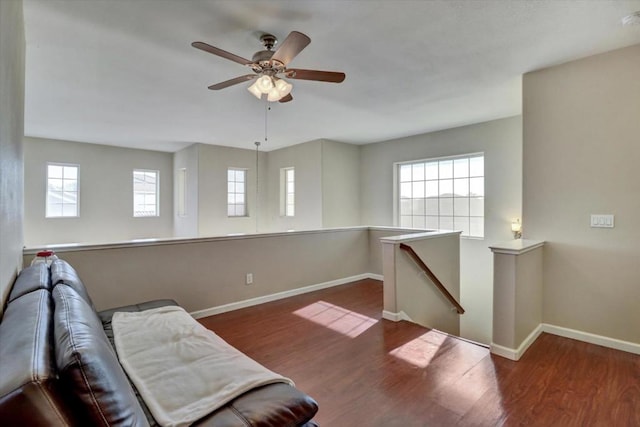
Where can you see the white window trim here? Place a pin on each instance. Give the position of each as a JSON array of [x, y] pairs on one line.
[[396, 185], [245, 194], [284, 190], [133, 193], [182, 193], [46, 191]]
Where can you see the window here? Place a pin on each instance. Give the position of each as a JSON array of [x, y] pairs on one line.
[[287, 192], [63, 192], [444, 194], [236, 192], [182, 192], [145, 193]]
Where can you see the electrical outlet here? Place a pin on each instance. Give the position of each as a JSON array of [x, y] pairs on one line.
[[249, 280]]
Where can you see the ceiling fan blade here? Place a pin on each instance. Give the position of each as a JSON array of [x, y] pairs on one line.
[[232, 82], [291, 47], [222, 53], [286, 98], [321, 76]]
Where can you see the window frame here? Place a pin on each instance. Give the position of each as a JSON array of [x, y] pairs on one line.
[[287, 209], [47, 215], [157, 193], [181, 208], [397, 192], [244, 203]]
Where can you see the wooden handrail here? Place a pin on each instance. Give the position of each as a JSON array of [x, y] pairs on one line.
[[409, 250]]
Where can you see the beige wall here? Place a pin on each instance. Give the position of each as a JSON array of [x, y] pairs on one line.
[[306, 158], [12, 54], [213, 163], [581, 154], [106, 193], [501, 142], [186, 225], [208, 273], [340, 184]]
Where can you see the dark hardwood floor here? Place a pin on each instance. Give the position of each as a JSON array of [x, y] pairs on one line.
[[364, 371]]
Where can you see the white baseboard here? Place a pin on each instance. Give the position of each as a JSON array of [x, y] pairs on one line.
[[395, 317], [279, 295], [379, 277], [590, 338], [516, 354]]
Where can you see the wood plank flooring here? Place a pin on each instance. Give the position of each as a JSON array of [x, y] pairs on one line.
[[365, 371]]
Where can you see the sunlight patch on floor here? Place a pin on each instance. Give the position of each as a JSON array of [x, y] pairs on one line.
[[336, 318], [421, 350]]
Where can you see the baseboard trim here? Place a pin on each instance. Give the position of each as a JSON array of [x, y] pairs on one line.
[[198, 314], [613, 343], [379, 277], [516, 354], [395, 317], [590, 338]]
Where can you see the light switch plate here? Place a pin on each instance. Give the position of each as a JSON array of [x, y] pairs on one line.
[[602, 221]]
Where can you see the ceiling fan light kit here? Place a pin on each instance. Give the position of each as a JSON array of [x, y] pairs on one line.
[[273, 87], [255, 90], [267, 64]]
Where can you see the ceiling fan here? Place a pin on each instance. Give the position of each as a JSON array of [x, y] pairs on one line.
[[270, 67]]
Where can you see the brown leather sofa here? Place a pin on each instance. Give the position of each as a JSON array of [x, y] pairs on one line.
[[58, 366]]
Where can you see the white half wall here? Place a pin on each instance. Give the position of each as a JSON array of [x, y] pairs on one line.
[[211, 272]]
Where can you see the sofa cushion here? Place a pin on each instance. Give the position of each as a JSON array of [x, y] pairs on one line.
[[29, 391], [268, 406], [106, 317], [30, 279], [89, 366], [62, 272]]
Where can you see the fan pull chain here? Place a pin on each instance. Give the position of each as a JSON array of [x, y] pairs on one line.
[[267, 108], [257, 143]]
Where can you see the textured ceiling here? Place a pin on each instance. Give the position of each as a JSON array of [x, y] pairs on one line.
[[122, 72]]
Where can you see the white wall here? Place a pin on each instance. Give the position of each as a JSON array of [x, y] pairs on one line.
[[501, 142], [581, 157], [12, 54], [340, 184], [106, 193], [187, 225]]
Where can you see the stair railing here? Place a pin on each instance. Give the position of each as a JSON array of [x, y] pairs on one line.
[[416, 258]]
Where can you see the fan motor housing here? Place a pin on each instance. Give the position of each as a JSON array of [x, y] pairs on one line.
[[262, 55]]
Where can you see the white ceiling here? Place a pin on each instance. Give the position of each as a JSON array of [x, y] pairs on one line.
[[122, 72]]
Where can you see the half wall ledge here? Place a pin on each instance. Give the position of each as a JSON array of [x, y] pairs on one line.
[[517, 296]]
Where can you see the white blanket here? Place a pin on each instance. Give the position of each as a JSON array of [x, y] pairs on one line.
[[182, 370]]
